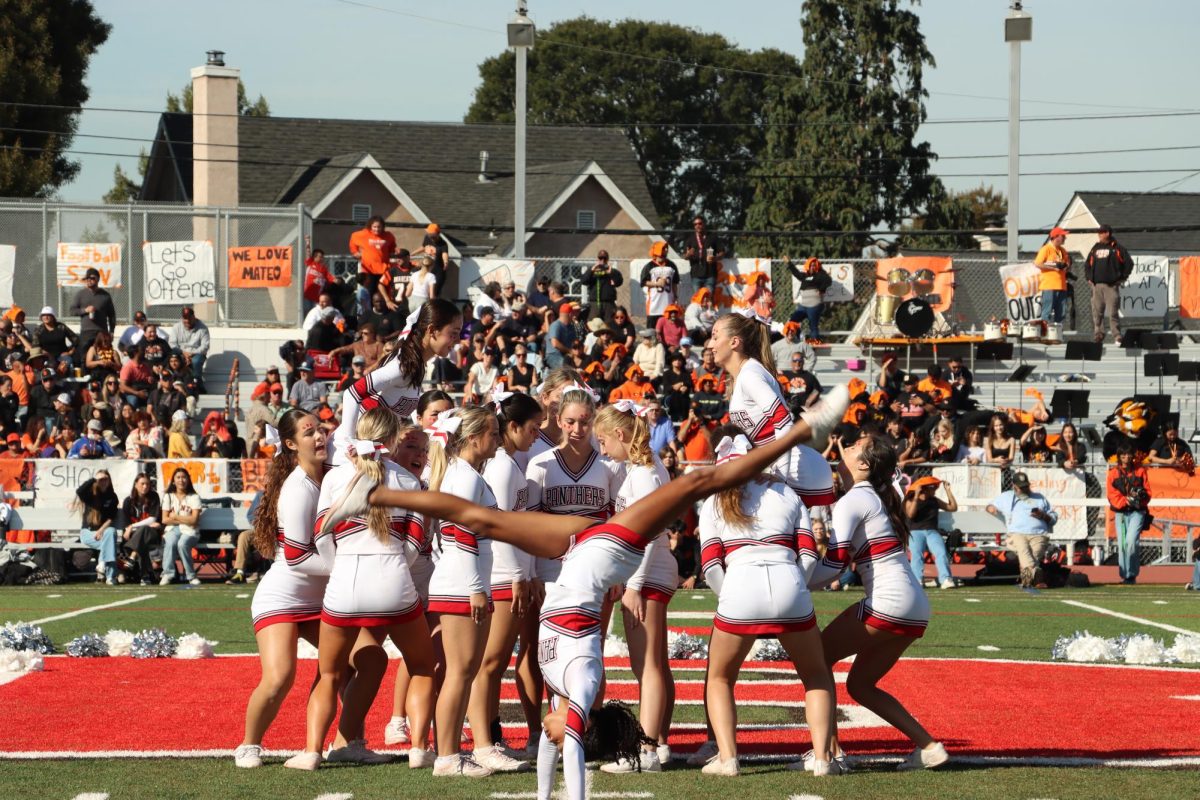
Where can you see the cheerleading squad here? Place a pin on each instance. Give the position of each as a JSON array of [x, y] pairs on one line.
[[461, 533]]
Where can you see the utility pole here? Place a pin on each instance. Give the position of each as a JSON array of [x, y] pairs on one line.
[[1018, 27], [521, 34]]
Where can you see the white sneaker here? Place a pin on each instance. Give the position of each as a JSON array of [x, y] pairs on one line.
[[356, 752], [304, 760], [352, 503], [647, 762], [838, 765], [495, 759], [704, 754], [396, 731], [928, 758], [461, 765], [194, 581], [726, 769], [664, 754], [164, 581], [823, 417], [247, 756], [821, 769], [948, 584], [420, 759]]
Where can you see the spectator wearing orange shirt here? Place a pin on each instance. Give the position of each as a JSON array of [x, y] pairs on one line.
[[636, 387], [374, 247], [15, 369], [934, 385], [1053, 261]]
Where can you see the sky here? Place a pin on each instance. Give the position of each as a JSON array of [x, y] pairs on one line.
[[410, 60]]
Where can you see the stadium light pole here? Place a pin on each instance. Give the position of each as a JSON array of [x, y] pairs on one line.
[[521, 33], [1018, 27]]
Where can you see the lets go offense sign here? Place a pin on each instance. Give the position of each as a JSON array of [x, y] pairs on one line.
[[179, 273]]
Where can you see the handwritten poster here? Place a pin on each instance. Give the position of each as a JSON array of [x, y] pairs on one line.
[[1061, 487], [840, 291], [260, 267], [1022, 300], [179, 273], [967, 481], [56, 479], [254, 474], [210, 476], [8, 267], [474, 273], [1148, 291], [75, 259]]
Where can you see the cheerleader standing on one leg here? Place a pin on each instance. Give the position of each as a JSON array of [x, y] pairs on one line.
[[869, 530], [601, 555], [287, 601], [370, 595], [460, 587], [757, 547], [625, 438]]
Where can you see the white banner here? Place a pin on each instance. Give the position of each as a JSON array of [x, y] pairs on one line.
[[473, 273], [56, 479], [1061, 487], [179, 273], [8, 266], [1148, 290], [968, 482], [75, 259], [840, 291], [1022, 300], [210, 476]]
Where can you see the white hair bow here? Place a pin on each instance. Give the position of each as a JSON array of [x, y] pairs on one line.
[[410, 323], [446, 425], [626, 406], [728, 448], [750, 313], [271, 439], [365, 448], [583, 387], [499, 396]]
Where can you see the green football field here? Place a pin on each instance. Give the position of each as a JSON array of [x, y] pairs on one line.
[[980, 647]]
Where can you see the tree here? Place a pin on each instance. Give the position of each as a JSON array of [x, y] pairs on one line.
[[581, 72], [974, 209], [125, 189], [841, 150], [45, 48]]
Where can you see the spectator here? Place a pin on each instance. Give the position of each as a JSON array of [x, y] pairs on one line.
[[521, 326], [961, 382], [41, 396], [1034, 449], [63, 414], [13, 448], [670, 326], [803, 388], [16, 315], [389, 323], [358, 371], [100, 504], [662, 432], [374, 247], [700, 316], [1129, 497], [691, 359], [61, 439], [14, 343], [219, 439], [146, 439], [36, 438], [1053, 261], [539, 299], [792, 344], [1029, 519], [921, 508], [131, 337], [508, 298], [263, 388], [422, 284], [649, 354], [101, 358], [814, 283], [56, 340], [891, 378], [660, 281], [92, 444], [401, 271], [935, 385], [179, 443], [675, 388], [999, 447], [1108, 266], [167, 399], [143, 527], [943, 442], [180, 513], [435, 245], [670, 462], [759, 296], [1168, 449], [521, 376], [154, 347], [916, 450], [481, 378], [704, 253], [684, 548], [325, 336], [10, 408], [489, 298], [1069, 452], [488, 325], [316, 277], [95, 308], [276, 406], [707, 403], [307, 393], [259, 446], [708, 366], [972, 451], [190, 336], [636, 386], [560, 337], [624, 331], [599, 284]]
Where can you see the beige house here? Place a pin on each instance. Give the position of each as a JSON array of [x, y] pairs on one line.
[[1130, 213]]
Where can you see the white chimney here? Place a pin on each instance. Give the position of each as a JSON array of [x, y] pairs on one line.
[[215, 132], [483, 159]]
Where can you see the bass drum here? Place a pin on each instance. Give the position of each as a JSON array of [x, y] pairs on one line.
[[914, 318]]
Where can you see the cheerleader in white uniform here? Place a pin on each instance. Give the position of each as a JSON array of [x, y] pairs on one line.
[[519, 416], [625, 438], [432, 403], [430, 331], [287, 601], [598, 556], [740, 345], [459, 592], [869, 531], [370, 594], [756, 550], [548, 394]]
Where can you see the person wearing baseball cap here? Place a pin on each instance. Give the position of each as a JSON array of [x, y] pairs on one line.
[[1029, 518], [57, 341], [560, 336], [264, 387], [1108, 265], [921, 507], [1053, 260], [92, 443], [94, 306], [307, 393]]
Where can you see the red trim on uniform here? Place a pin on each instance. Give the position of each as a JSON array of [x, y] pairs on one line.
[[819, 497], [903, 628], [657, 593], [759, 628], [502, 593], [634, 540], [373, 620], [572, 621], [459, 608], [294, 617]]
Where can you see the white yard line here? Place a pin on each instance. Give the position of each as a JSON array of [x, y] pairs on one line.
[[335, 796], [1186, 697], [1130, 618], [92, 796], [80, 612]]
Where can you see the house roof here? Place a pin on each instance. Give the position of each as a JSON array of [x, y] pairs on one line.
[[291, 160], [1127, 210]]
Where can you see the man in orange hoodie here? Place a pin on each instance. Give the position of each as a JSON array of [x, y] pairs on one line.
[[374, 247], [635, 387], [1128, 487]]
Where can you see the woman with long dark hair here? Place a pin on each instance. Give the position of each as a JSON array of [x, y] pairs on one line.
[[143, 526], [181, 512], [98, 532]]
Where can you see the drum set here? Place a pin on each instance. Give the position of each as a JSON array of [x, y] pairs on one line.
[[914, 317]]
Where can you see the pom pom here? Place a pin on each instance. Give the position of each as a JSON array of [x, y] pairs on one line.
[[686, 646], [193, 645], [1085, 648], [1142, 649], [23, 636], [153, 643], [1186, 649], [19, 662], [615, 647], [305, 649], [120, 643], [89, 645], [768, 650]]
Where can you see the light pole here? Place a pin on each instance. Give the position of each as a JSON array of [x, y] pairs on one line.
[[520, 37], [1018, 27]]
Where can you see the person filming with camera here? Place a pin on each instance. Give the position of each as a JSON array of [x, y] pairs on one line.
[[599, 284], [1129, 497]]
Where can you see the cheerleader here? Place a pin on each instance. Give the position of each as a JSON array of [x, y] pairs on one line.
[[287, 601], [869, 530], [430, 404], [459, 592], [548, 394], [757, 547], [430, 332], [370, 595], [597, 557], [519, 417], [624, 438]]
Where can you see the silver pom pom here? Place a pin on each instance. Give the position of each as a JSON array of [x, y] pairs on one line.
[[23, 636], [769, 650], [686, 646], [153, 643], [89, 645]]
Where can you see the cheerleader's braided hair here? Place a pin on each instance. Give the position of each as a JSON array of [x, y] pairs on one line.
[[613, 733]]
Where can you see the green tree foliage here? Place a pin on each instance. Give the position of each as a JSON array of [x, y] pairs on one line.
[[45, 48], [841, 151], [580, 73], [975, 209]]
